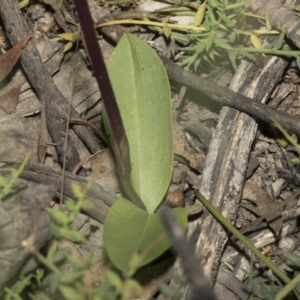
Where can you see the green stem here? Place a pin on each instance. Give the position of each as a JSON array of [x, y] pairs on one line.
[[152, 23], [48, 264], [269, 51], [242, 238], [288, 288]]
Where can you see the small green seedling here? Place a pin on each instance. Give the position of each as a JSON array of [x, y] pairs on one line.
[[289, 139], [71, 38], [137, 117]]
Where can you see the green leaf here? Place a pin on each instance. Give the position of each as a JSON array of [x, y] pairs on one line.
[[70, 204], [131, 289], [80, 263], [197, 63], [293, 258], [290, 138], [56, 231], [68, 46], [77, 190], [210, 39], [87, 204], [70, 36], [129, 229], [166, 290], [59, 216], [214, 3], [23, 283], [211, 13], [69, 293], [30, 265], [282, 142], [201, 46], [295, 160], [23, 3], [211, 55], [52, 280], [39, 295], [167, 30], [246, 54], [70, 278], [200, 14], [222, 44], [236, 5], [255, 41], [60, 255], [279, 41], [232, 56], [229, 23], [232, 37], [113, 279], [74, 235], [142, 90], [268, 23], [172, 46]]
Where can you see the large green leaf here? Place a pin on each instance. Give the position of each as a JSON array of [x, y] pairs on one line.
[[142, 90], [129, 229]]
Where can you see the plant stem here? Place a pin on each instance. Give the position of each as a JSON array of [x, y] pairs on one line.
[[288, 288], [152, 23], [242, 238]]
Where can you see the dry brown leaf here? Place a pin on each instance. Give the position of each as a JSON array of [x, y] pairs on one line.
[[264, 203], [9, 100], [9, 58]]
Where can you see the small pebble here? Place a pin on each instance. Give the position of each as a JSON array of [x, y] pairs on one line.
[[287, 244], [277, 186]]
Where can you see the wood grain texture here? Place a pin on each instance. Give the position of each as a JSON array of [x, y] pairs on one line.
[[223, 175], [100, 196]]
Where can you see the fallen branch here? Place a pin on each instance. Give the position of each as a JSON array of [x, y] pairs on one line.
[[227, 97], [101, 197]]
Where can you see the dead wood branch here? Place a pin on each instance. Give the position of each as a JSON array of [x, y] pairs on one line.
[[55, 105], [101, 197], [225, 96], [223, 175]]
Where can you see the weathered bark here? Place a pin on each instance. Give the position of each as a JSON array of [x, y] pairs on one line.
[[23, 220], [223, 176], [53, 103]]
